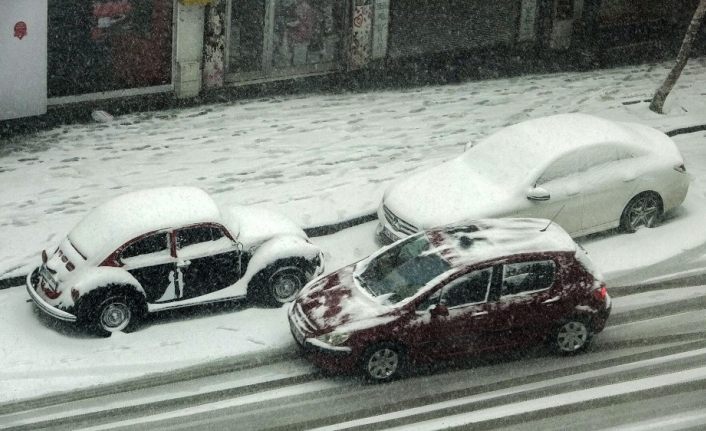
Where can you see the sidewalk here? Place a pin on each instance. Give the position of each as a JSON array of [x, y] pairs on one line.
[[319, 158]]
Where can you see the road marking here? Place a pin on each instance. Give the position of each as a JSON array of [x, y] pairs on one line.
[[513, 390], [211, 407], [553, 401], [679, 421]]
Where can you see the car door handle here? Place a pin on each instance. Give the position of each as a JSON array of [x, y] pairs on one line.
[[183, 263], [479, 314], [551, 300]]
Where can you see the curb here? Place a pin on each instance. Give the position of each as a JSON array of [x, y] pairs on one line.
[[337, 227], [193, 372]]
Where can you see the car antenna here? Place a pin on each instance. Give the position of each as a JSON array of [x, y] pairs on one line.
[[552, 219]]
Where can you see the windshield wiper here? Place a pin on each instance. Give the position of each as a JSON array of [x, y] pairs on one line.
[[363, 284]]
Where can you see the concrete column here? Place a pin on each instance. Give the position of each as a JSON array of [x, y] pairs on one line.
[[189, 50]]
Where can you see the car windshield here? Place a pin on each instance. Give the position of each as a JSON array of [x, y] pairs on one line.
[[504, 158], [399, 272]]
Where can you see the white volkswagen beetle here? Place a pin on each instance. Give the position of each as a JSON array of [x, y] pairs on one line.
[[170, 247], [586, 173]]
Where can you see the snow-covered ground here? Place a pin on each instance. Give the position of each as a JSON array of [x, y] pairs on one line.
[[319, 159]]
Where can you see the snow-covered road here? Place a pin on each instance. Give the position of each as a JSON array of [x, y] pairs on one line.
[[659, 352]]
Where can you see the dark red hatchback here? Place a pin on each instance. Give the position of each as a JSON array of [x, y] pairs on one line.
[[463, 290]]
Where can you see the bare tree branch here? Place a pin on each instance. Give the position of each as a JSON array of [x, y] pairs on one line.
[[663, 91]]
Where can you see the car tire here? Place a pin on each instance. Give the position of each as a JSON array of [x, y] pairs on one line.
[[284, 284], [107, 312], [644, 209], [277, 284], [383, 362], [571, 336]]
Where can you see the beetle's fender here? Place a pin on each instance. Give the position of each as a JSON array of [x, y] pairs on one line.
[[97, 277], [282, 247]]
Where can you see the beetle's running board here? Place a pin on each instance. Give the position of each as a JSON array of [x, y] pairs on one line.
[[153, 308]]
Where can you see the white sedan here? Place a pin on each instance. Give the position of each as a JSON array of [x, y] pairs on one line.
[[586, 173]]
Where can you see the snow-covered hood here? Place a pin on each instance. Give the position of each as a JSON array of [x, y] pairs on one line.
[[446, 193], [254, 225], [334, 302]]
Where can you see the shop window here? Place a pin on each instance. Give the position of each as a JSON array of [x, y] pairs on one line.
[[267, 36]]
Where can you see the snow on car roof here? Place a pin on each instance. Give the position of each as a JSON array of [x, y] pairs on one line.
[[127, 216], [480, 240], [528, 146]]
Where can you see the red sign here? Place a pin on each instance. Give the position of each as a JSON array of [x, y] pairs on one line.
[[20, 30]]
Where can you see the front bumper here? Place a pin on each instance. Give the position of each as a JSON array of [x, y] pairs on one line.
[[319, 269], [325, 356], [43, 305], [385, 235]]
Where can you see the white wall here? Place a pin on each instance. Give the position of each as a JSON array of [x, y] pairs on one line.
[[23, 59]]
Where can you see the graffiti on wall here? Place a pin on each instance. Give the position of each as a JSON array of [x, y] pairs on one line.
[[361, 41], [214, 45]]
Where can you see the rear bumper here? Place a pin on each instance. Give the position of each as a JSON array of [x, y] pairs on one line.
[[601, 318], [47, 308]]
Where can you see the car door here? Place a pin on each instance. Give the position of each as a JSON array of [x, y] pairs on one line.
[[207, 260], [529, 297], [149, 259], [452, 314], [564, 204], [611, 177]]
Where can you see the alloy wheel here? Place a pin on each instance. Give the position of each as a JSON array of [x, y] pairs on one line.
[[572, 336], [644, 211], [383, 364]]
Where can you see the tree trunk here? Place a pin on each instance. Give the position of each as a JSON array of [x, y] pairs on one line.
[[662, 92]]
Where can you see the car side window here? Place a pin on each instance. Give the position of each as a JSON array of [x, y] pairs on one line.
[[151, 244], [469, 289], [523, 277], [196, 235], [564, 166]]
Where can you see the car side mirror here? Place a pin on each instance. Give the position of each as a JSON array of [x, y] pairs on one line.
[[439, 310], [538, 194]]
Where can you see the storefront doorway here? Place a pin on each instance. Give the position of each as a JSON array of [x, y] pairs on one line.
[[270, 39]]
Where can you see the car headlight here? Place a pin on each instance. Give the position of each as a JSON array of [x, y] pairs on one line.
[[334, 338]]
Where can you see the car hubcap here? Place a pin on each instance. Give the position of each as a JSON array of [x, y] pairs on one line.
[[383, 363], [572, 336], [286, 287], [644, 212], [115, 317]]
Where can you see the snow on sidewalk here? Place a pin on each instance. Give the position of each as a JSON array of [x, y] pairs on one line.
[[319, 158]]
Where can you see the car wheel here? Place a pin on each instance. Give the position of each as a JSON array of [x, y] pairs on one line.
[[284, 284], [644, 209], [115, 314], [572, 336], [383, 362]]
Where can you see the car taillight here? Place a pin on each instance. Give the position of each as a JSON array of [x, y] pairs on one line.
[[51, 294], [74, 294], [600, 293], [70, 266], [680, 168]]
